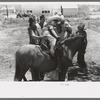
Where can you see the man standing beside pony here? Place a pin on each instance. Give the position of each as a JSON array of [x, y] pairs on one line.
[[81, 53]]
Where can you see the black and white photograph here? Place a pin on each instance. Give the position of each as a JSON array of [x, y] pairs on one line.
[[49, 45], [50, 42]]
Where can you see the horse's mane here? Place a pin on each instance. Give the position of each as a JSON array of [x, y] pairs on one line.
[[70, 39]]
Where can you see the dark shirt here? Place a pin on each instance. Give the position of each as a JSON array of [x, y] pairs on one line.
[[83, 33], [41, 24], [69, 31], [30, 21], [34, 28], [31, 25]]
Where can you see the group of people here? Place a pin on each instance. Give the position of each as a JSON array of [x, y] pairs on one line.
[[52, 30]]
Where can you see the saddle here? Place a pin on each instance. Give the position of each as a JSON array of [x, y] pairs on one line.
[[52, 54]]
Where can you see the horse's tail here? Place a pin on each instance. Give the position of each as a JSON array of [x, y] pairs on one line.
[[17, 69]]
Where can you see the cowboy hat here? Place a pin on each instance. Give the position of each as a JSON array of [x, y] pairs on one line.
[[54, 18], [59, 13]]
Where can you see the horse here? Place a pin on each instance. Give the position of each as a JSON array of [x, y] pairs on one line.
[[32, 56], [66, 49]]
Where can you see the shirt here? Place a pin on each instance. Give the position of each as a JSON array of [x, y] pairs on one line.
[[83, 33]]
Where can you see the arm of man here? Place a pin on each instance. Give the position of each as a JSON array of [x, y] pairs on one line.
[[52, 31], [38, 29], [38, 37]]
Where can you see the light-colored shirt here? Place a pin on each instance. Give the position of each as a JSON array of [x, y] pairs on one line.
[[39, 28]]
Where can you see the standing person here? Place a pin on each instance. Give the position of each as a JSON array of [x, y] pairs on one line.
[[41, 24], [40, 27], [35, 34], [81, 53], [33, 31], [42, 21]]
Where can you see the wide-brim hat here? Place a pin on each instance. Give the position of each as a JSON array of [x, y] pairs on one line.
[[59, 13], [55, 18]]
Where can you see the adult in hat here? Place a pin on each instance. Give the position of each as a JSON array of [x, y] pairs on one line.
[[80, 57], [54, 18], [51, 25]]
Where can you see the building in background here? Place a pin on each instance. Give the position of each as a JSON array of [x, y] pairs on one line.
[[8, 11], [70, 11], [47, 10]]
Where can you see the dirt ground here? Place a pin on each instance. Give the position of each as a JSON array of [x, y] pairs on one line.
[[13, 34]]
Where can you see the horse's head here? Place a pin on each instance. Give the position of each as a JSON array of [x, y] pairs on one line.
[[75, 41], [65, 51], [69, 45]]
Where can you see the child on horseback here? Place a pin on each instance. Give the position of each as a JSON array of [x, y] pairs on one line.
[[81, 53], [56, 28], [51, 31]]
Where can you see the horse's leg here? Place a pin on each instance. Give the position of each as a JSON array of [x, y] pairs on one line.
[[20, 76], [20, 72], [17, 72], [41, 75], [63, 74], [35, 74], [24, 78], [66, 76]]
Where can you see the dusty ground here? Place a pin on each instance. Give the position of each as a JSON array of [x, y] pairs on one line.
[[13, 34]]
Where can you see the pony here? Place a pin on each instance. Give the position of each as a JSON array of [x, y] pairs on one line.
[[66, 49], [32, 56]]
